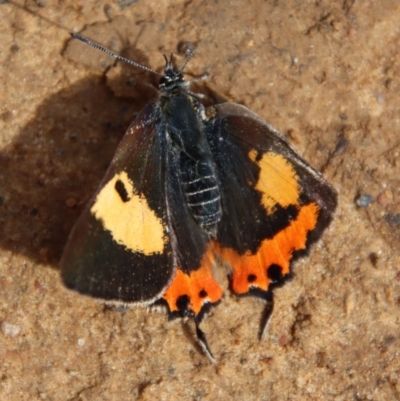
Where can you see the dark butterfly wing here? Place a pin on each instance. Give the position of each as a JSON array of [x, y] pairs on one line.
[[193, 289], [274, 204], [120, 248]]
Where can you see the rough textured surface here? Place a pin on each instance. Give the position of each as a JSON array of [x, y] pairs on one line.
[[325, 73]]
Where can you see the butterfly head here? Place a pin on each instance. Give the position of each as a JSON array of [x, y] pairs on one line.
[[173, 77]]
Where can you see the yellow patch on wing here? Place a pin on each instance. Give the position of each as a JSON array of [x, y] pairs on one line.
[[277, 182], [276, 251], [131, 222], [199, 286]]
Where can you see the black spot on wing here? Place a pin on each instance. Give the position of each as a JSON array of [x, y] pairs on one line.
[[274, 273], [121, 190], [183, 303]]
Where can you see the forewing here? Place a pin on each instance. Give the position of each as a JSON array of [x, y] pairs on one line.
[[120, 248], [274, 204]]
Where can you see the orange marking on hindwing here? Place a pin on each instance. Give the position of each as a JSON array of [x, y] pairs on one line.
[[199, 285], [275, 251]]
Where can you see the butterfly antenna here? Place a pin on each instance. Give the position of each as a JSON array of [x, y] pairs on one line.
[[191, 54], [110, 53]]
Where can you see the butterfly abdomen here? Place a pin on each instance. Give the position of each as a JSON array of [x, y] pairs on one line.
[[200, 187]]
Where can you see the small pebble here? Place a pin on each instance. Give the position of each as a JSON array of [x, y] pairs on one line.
[[364, 200], [10, 330]]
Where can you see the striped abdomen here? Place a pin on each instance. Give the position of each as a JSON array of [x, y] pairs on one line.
[[200, 187]]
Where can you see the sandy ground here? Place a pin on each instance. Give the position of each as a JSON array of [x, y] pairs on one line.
[[325, 73]]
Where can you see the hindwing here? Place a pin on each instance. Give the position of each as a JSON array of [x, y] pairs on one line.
[[274, 204]]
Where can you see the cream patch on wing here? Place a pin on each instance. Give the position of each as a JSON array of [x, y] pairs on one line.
[[277, 182], [129, 218]]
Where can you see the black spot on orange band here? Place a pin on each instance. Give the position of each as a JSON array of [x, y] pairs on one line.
[[274, 273]]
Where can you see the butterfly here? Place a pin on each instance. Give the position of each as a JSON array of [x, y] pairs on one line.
[[189, 189]]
